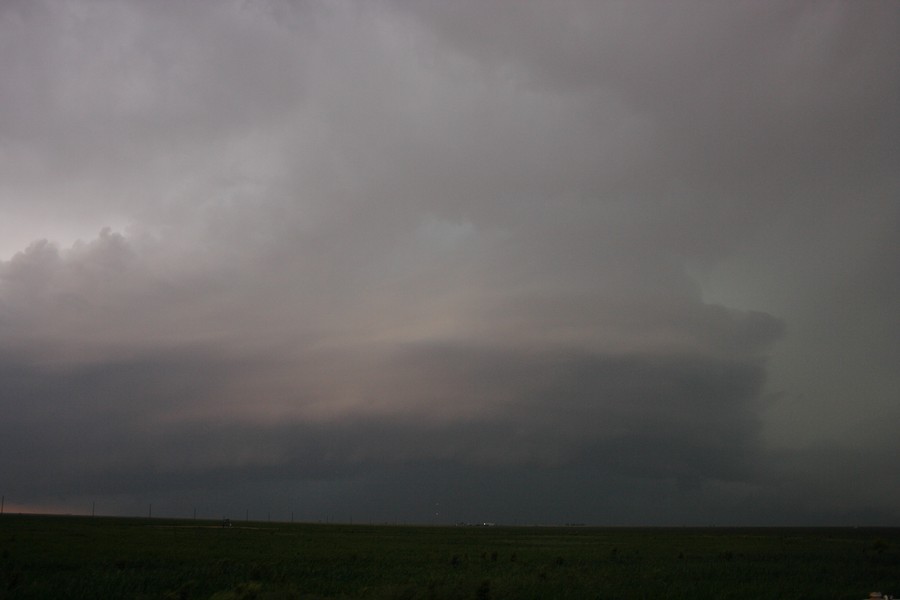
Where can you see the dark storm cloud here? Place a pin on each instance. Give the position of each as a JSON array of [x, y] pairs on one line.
[[410, 251], [741, 107], [139, 426]]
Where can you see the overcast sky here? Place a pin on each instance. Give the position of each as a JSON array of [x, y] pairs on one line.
[[429, 261]]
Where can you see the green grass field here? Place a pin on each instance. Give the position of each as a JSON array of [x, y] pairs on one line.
[[83, 557]]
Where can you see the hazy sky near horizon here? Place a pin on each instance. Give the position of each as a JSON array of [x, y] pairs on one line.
[[513, 261]]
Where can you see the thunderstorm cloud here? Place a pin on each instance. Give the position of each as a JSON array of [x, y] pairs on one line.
[[513, 261]]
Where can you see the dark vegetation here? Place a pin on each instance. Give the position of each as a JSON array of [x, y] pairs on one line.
[[83, 557]]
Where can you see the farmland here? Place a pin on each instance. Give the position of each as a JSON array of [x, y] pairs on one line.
[[84, 557]]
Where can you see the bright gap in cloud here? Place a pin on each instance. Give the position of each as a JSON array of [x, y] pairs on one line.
[[17, 233]]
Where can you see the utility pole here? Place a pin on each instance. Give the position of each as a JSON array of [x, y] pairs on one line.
[[93, 507], [2, 502], [150, 512]]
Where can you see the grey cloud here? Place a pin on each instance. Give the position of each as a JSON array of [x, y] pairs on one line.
[[352, 249], [741, 107], [131, 427]]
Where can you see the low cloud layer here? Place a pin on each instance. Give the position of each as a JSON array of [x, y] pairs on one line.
[[450, 261]]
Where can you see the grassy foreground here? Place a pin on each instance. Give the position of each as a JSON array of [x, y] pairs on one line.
[[83, 557]]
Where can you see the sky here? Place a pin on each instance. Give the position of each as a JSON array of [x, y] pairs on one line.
[[525, 262]]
